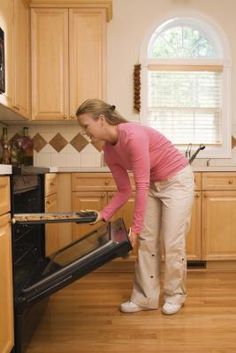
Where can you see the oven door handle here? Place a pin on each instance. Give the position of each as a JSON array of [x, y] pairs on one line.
[[56, 217]]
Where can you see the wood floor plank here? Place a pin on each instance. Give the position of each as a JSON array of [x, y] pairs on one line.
[[84, 318]]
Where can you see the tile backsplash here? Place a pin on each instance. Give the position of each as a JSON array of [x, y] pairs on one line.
[[66, 146], [61, 146]]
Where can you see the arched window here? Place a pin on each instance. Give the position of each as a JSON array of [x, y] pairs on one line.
[[186, 85]]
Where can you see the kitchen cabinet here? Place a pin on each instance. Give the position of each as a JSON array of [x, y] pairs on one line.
[[15, 22], [93, 191], [6, 291], [52, 241], [6, 23], [193, 239], [218, 216], [5, 194], [68, 60], [22, 66]]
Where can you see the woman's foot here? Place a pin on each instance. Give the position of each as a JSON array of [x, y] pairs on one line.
[[130, 307], [171, 308]]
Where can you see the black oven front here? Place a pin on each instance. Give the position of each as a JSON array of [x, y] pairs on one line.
[[36, 276]]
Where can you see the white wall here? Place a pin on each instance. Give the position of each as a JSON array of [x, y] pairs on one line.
[[132, 19]]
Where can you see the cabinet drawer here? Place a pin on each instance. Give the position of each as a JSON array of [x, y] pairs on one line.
[[5, 195], [95, 181], [219, 181], [50, 184], [92, 181], [197, 181]]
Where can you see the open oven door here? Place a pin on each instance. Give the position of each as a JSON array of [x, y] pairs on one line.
[[75, 260]]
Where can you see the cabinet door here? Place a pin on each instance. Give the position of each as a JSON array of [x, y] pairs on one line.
[[219, 225], [5, 194], [193, 241], [49, 63], [87, 55], [21, 41], [6, 23], [126, 211], [6, 297], [52, 241], [87, 201]]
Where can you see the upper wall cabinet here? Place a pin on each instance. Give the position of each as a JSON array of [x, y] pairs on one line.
[[6, 23], [22, 66], [68, 60], [15, 21]]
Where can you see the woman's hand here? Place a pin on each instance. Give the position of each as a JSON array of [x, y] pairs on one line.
[[98, 214], [133, 237]]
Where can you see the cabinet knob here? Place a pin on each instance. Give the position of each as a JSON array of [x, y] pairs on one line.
[[16, 107], [65, 117], [230, 182], [103, 195], [107, 182], [197, 195], [72, 117]]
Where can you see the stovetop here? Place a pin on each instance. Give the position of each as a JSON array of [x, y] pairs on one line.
[[29, 170]]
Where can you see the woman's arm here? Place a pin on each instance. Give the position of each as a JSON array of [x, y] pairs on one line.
[[121, 178]]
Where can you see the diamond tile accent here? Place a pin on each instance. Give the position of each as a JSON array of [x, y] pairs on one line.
[[98, 145], [79, 142], [39, 142], [58, 142]]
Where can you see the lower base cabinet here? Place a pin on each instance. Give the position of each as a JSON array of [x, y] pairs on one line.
[[6, 296], [219, 225]]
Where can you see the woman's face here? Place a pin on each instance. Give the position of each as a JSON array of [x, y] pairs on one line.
[[91, 127]]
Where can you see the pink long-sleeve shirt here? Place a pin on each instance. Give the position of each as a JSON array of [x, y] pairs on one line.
[[150, 156]]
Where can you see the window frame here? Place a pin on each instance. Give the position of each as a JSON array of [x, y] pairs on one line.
[[212, 151]]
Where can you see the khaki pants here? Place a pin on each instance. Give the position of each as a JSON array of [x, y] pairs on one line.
[[167, 217]]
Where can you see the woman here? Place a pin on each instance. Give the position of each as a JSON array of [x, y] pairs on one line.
[[163, 201]]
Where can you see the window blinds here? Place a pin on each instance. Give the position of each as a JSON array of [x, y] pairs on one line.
[[185, 102]]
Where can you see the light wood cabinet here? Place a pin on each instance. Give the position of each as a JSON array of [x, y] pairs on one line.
[[68, 60], [89, 200], [193, 239], [6, 23], [14, 20], [218, 216], [52, 240], [5, 194], [94, 191], [6, 291], [22, 66]]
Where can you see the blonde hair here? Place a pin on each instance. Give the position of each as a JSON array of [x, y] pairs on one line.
[[97, 107]]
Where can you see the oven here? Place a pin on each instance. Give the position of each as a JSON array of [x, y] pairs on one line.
[[37, 276]]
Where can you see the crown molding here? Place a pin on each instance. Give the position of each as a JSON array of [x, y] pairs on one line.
[[101, 4]]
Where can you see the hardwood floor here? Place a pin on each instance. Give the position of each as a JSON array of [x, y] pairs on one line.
[[84, 318]]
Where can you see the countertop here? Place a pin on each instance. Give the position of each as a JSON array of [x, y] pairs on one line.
[[106, 169], [7, 169]]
